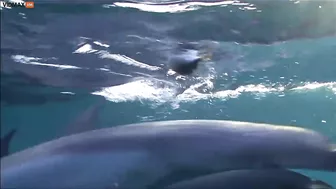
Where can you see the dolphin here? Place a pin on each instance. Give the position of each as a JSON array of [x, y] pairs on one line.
[[252, 179], [5, 142], [137, 156]]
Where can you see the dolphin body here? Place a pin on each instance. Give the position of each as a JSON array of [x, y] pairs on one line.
[[252, 179], [138, 156]]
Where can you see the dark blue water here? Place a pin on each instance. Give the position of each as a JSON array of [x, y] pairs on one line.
[[273, 62]]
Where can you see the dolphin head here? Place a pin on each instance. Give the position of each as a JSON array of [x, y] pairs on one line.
[[314, 157], [308, 148]]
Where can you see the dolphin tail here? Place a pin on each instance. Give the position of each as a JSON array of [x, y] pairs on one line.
[[318, 184], [5, 141]]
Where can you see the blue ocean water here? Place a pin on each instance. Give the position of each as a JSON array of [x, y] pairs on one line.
[[273, 62]]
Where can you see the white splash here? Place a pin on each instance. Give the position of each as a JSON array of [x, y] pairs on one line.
[[155, 8], [65, 92], [148, 90], [316, 85], [126, 60], [101, 44], [87, 48], [137, 90], [33, 61], [170, 8]]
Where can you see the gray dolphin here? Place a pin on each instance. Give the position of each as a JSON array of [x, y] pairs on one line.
[[139, 155], [252, 179]]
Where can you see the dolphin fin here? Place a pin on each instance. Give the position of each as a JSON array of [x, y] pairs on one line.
[[5, 142], [318, 184], [86, 121]]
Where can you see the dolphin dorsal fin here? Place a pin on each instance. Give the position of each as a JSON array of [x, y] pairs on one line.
[[86, 121], [5, 142]]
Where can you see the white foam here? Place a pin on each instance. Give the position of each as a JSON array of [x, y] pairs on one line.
[[87, 48], [33, 61], [173, 7], [147, 90], [70, 93], [101, 44], [316, 85], [126, 60], [137, 90]]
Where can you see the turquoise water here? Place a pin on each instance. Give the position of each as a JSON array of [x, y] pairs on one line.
[[273, 62]]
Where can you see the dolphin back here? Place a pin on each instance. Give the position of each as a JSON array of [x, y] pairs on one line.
[[196, 137]]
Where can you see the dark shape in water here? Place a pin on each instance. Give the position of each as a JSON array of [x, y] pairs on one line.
[[186, 68], [5, 141]]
